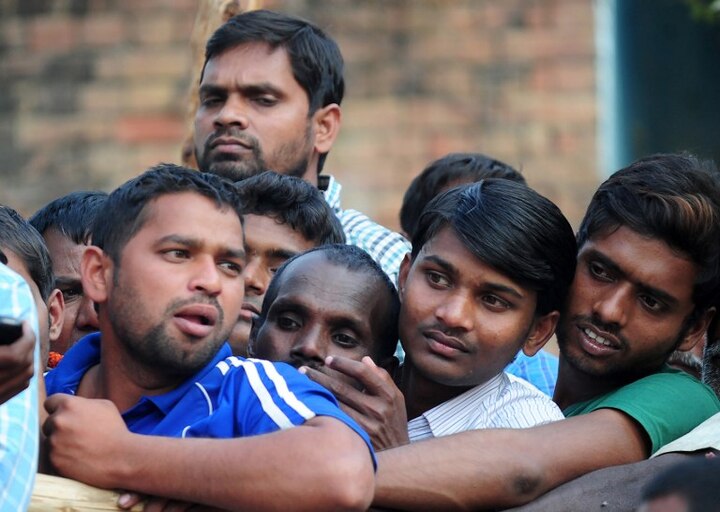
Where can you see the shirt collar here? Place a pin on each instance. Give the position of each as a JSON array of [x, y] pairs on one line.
[[332, 193]]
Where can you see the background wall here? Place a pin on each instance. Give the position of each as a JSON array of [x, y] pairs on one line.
[[92, 92]]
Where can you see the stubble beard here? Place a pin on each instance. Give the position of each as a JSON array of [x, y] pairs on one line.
[[155, 349], [228, 166]]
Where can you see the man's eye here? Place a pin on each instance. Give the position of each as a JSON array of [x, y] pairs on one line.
[[345, 340], [287, 322], [436, 278], [72, 294], [231, 268], [177, 254], [210, 101], [495, 302], [266, 101], [599, 271], [651, 303]]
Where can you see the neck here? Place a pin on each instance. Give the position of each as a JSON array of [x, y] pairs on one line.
[[121, 379], [574, 385], [422, 394]]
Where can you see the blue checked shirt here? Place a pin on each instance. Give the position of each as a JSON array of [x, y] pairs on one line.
[[385, 246], [19, 415], [540, 370]]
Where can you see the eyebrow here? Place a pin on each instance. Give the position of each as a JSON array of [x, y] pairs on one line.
[[277, 253], [495, 287], [194, 243], [247, 89], [594, 254], [66, 281]]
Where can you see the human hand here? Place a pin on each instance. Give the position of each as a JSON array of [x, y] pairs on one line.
[[17, 364], [379, 408], [86, 439]]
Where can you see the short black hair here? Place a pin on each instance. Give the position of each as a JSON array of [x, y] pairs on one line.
[[511, 228], [446, 172], [124, 212], [674, 198], [697, 481], [315, 58], [353, 259], [71, 215], [18, 236], [292, 201]]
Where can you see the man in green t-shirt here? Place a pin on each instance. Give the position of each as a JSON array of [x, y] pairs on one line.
[[648, 273]]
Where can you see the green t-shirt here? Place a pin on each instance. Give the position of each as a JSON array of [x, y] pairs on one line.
[[667, 404]]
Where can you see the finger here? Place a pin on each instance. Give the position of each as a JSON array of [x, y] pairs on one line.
[[127, 500], [56, 402], [374, 379], [344, 392]]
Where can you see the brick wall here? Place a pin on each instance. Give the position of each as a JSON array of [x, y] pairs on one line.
[[93, 92]]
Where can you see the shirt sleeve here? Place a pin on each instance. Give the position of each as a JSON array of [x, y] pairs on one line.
[[666, 405], [19, 415]]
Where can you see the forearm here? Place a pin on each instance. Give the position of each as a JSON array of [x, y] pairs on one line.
[[503, 468], [320, 466]]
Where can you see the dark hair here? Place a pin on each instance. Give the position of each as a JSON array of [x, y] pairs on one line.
[[124, 213], [353, 259], [71, 215], [316, 61], [674, 198], [292, 201], [444, 173], [511, 228], [18, 236], [697, 481]]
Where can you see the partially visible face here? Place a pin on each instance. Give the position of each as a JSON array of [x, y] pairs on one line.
[[321, 310], [628, 305], [80, 315], [268, 244], [18, 265], [253, 115], [461, 321], [178, 288]]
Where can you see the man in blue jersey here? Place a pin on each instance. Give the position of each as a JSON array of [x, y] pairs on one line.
[[166, 274]]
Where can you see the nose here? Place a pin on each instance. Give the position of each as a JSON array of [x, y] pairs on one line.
[[456, 311], [256, 277], [206, 276], [309, 349], [86, 319], [232, 113], [613, 306]]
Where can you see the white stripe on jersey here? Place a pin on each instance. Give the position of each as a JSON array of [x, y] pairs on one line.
[[283, 391], [207, 397], [266, 401]]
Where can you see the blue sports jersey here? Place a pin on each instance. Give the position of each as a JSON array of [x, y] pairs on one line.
[[230, 397]]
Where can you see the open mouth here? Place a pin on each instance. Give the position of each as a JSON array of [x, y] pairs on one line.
[[197, 320]]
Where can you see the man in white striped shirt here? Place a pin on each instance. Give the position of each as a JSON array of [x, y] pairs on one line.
[[490, 267]]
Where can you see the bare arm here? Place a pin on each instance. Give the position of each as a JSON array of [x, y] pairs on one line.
[[321, 465], [502, 468]]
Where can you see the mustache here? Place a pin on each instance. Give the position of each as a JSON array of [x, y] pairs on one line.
[[235, 133]]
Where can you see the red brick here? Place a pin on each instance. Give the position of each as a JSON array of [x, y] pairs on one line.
[[149, 129], [52, 34]]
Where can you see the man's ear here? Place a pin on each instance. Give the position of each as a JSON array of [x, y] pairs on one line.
[[405, 265], [326, 124], [96, 270], [542, 330], [56, 312], [697, 330]]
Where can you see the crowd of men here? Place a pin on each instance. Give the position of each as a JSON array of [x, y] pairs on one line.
[[232, 338]]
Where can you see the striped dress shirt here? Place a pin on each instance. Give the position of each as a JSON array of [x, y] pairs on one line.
[[504, 401]]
